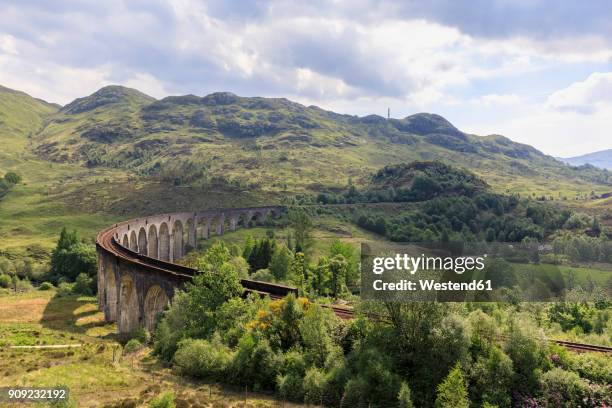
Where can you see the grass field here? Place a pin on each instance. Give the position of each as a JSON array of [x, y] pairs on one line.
[[94, 378]]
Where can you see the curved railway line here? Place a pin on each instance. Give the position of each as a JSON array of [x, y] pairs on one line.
[[119, 300]]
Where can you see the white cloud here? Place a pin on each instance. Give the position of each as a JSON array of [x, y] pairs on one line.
[[586, 96], [496, 100], [353, 57], [7, 44]]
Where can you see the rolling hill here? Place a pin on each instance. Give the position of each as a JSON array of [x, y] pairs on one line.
[[119, 152], [278, 145], [601, 159]]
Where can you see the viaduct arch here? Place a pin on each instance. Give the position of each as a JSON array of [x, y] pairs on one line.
[[137, 275]]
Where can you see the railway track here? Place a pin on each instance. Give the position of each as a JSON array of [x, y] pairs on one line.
[[581, 347]]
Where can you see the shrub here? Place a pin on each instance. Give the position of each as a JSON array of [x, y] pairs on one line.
[[64, 289], [452, 392], [45, 286], [202, 359], [165, 400], [529, 357], [71, 257], [263, 275], [142, 335], [315, 383], [12, 177], [83, 285], [22, 285], [132, 346], [562, 388], [255, 363], [592, 367], [170, 330], [5, 281], [291, 382], [491, 378], [404, 397]]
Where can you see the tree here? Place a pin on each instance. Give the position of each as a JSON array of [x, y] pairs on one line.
[[261, 254], [404, 397], [320, 277], [12, 177], [338, 268], [301, 223], [71, 257], [217, 282], [351, 256], [297, 270], [452, 392], [279, 264]]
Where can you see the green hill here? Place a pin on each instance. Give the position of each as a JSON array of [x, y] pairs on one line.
[[278, 145], [119, 152]]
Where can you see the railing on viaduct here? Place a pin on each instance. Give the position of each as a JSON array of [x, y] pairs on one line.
[[136, 271]]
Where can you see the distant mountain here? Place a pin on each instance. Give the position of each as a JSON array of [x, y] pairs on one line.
[[601, 159], [279, 145]]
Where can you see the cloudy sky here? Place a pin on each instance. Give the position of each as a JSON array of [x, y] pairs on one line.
[[539, 72]]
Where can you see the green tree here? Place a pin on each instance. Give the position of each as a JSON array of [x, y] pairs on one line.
[[280, 262], [12, 177], [452, 392], [404, 397], [338, 268], [301, 223], [315, 329], [83, 285], [491, 377], [217, 282], [320, 277], [298, 273], [71, 257], [351, 256]]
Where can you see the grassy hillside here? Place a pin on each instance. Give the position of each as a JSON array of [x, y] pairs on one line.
[[119, 153], [280, 145], [57, 193]]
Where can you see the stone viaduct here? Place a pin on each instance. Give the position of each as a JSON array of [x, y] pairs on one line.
[[137, 275]]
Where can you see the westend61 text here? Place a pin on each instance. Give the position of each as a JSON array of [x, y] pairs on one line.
[[431, 285]]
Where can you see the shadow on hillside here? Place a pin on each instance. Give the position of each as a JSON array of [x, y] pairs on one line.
[[72, 314]]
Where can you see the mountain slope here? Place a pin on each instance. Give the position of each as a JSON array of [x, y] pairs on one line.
[[20, 117], [601, 159], [279, 145]]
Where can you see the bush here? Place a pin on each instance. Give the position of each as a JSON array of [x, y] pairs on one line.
[[71, 257], [165, 400], [132, 346], [45, 286], [23, 285], [562, 388], [12, 177], [452, 392], [5, 281], [291, 382], [404, 397], [491, 378], [255, 363], [529, 357], [202, 359], [315, 383], [142, 335], [263, 275], [83, 285], [592, 367], [64, 289]]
